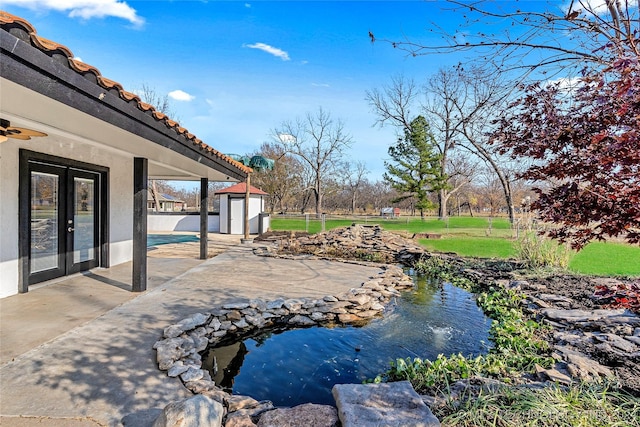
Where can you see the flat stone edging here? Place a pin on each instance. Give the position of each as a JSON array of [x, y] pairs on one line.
[[178, 350]]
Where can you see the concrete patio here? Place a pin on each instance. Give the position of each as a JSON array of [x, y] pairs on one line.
[[79, 352]]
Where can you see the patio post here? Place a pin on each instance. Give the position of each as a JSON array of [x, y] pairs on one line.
[[247, 196], [140, 193], [204, 217]]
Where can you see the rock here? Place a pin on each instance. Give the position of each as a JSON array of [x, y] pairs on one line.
[[194, 321], [200, 343], [632, 338], [251, 412], [235, 402], [377, 306], [258, 304], [215, 324], [573, 316], [348, 318], [168, 351], [173, 331], [241, 324], [275, 304], [216, 394], [293, 305], [301, 320], [367, 314], [177, 368], [581, 366], [201, 386], [196, 411], [234, 316], [240, 421], [387, 404], [192, 374], [307, 415], [554, 298], [257, 320], [553, 375], [249, 312], [236, 306], [316, 316], [361, 299], [617, 342]]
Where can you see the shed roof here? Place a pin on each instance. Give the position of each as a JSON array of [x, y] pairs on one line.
[[25, 32], [241, 188], [164, 197]]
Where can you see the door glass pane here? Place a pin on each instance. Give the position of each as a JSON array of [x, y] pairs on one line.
[[44, 221], [83, 219]]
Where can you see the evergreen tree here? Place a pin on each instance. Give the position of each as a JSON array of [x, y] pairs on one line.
[[415, 169]]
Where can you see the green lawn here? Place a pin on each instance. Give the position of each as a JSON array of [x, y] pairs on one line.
[[454, 225], [468, 236], [486, 247], [607, 259]]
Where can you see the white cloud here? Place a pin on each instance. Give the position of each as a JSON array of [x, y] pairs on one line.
[[247, 5], [320, 84], [77, 58], [180, 95], [85, 9], [565, 83], [269, 49]]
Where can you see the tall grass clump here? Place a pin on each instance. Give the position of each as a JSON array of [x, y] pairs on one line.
[[583, 404], [538, 251]]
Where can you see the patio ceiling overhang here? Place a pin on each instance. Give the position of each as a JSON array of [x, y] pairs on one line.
[[43, 88]]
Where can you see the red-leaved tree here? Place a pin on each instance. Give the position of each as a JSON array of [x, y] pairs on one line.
[[584, 149]]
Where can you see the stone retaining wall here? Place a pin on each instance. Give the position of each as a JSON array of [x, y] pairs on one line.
[[178, 352]]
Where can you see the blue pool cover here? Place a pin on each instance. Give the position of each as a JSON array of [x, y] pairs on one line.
[[163, 239]]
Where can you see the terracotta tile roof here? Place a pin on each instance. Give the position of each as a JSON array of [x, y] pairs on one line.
[[9, 21], [241, 188]]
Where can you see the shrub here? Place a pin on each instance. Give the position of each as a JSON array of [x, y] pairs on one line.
[[538, 251]]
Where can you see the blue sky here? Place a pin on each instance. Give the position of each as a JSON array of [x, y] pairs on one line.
[[237, 69]]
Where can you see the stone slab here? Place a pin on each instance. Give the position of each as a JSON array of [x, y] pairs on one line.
[[376, 405]]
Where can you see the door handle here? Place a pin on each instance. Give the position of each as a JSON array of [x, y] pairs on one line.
[[70, 229]]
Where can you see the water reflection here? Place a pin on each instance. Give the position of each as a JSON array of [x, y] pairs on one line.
[[302, 365]]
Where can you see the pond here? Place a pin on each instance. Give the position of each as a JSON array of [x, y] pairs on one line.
[[295, 366]]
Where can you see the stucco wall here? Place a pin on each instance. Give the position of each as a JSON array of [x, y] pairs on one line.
[[256, 206], [8, 220], [159, 222], [120, 202]]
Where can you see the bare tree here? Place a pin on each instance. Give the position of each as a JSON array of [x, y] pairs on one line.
[[161, 103], [565, 35], [355, 177], [458, 104], [476, 98], [319, 142], [284, 181]]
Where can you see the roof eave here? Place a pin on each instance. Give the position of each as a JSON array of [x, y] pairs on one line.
[[55, 75]]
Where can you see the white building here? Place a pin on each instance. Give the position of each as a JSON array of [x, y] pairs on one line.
[[232, 205], [76, 152]]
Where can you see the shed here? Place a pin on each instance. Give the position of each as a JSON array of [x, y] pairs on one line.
[[232, 203], [390, 212], [167, 202]]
